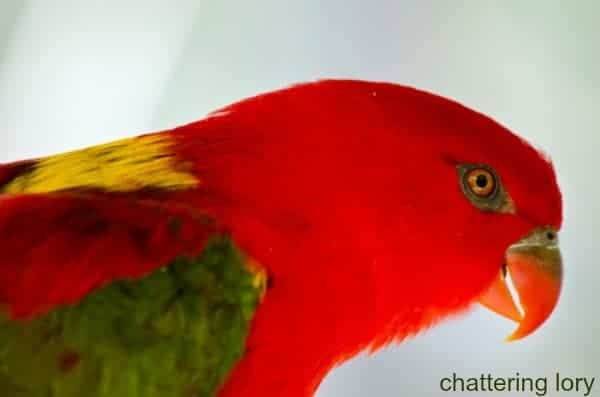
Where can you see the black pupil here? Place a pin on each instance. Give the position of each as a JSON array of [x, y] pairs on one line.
[[481, 181]]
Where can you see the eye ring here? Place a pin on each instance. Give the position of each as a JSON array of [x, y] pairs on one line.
[[483, 187], [481, 182]]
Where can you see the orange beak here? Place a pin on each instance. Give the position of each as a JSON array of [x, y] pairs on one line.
[[535, 267]]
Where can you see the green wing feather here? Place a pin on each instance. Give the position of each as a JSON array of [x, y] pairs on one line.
[[176, 332]]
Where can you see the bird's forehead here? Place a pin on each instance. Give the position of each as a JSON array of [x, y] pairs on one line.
[[526, 172], [463, 135]]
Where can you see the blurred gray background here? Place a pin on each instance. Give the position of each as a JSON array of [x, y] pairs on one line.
[[81, 72]]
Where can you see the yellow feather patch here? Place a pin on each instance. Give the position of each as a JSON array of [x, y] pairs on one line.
[[145, 162]]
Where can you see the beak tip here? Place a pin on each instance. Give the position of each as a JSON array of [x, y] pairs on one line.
[[512, 337]]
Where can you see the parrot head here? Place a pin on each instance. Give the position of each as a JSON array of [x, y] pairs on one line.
[[443, 206], [476, 212]]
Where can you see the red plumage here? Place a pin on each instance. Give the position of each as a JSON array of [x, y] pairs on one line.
[[57, 248], [346, 192]]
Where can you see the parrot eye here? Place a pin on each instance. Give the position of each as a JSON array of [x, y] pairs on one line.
[[482, 186], [481, 182]]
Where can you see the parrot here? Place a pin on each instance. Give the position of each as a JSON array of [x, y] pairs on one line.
[[254, 250]]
